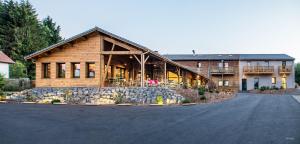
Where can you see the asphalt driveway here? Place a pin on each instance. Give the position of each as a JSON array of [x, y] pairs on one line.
[[246, 119]]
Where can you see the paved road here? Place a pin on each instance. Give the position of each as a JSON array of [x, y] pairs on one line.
[[246, 119]]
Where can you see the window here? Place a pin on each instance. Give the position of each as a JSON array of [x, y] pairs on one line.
[[90, 68], [75, 70], [273, 80], [199, 65], [220, 83], [61, 70], [120, 72], [46, 70], [283, 64], [256, 83], [226, 65], [268, 63], [248, 63], [226, 83], [220, 65]]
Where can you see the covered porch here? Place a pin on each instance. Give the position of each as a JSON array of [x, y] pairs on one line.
[[127, 66]]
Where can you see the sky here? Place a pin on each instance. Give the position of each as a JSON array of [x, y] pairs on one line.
[[180, 26]]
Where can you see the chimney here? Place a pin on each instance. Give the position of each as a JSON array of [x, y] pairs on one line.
[[194, 53]]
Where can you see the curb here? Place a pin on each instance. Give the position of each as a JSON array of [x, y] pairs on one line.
[[90, 104], [297, 98], [3, 102], [28, 102], [59, 103], [188, 104], [156, 104], [125, 104]]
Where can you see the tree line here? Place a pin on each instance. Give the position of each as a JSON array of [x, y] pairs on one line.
[[22, 33]]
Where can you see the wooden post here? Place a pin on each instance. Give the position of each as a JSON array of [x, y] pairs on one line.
[[165, 73], [108, 63], [101, 62], [142, 69], [178, 74]]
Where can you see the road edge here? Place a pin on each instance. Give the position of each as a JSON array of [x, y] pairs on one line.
[[297, 98]]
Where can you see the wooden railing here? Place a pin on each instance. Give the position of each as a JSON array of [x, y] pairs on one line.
[[222, 70], [258, 69], [285, 69]]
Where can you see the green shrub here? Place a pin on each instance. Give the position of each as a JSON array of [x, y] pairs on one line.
[[55, 101], [2, 97], [17, 70], [2, 83], [159, 99], [201, 90], [186, 100], [274, 88], [203, 97], [118, 99], [11, 88], [263, 88]]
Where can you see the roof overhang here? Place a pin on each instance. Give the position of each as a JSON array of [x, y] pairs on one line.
[[121, 39]]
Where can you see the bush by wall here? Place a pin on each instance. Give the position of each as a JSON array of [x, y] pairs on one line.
[[17, 84]]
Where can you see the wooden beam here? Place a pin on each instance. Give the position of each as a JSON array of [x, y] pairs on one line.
[[108, 63], [137, 58], [146, 59], [121, 52], [123, 45]]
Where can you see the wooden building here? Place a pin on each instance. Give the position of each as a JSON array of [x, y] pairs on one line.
[[242, 71], [97, 58]]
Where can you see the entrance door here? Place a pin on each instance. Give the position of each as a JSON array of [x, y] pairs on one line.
[[244, 84], [283, 82]]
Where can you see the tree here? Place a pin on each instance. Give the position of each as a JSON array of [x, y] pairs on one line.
[[297, 73], [17, 70], [2, 83], [21, 33], [51, 30]]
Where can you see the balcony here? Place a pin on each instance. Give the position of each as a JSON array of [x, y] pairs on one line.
[[222, 70], [257, 70], [285, 70]]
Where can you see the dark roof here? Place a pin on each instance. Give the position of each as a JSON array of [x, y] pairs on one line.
[[265, 57], [186, 57], [202, 56], [97, 29], [5, 59]]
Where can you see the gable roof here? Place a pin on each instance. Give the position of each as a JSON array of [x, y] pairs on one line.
[[5, 59], [241, 57], [104, 32]]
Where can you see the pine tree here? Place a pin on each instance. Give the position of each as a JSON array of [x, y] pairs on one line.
[[21, 33], [52, 31]]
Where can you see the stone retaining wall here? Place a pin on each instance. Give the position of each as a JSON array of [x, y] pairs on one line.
[[114, 95]]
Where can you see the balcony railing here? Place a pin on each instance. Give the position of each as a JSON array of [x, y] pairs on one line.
[[258, 69], [285, 69], [222, 70]]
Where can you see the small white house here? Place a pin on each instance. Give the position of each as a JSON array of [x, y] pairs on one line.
[[5, 61]]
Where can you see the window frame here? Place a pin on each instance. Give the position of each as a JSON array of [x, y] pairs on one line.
[[274, 80], [60, 69], [221, 82], [73, 69], [199, 64], [88, 69], [48, 70], [224, 83]]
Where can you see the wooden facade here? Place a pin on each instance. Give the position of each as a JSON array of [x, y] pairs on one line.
[[229, 74], [97, 58]]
